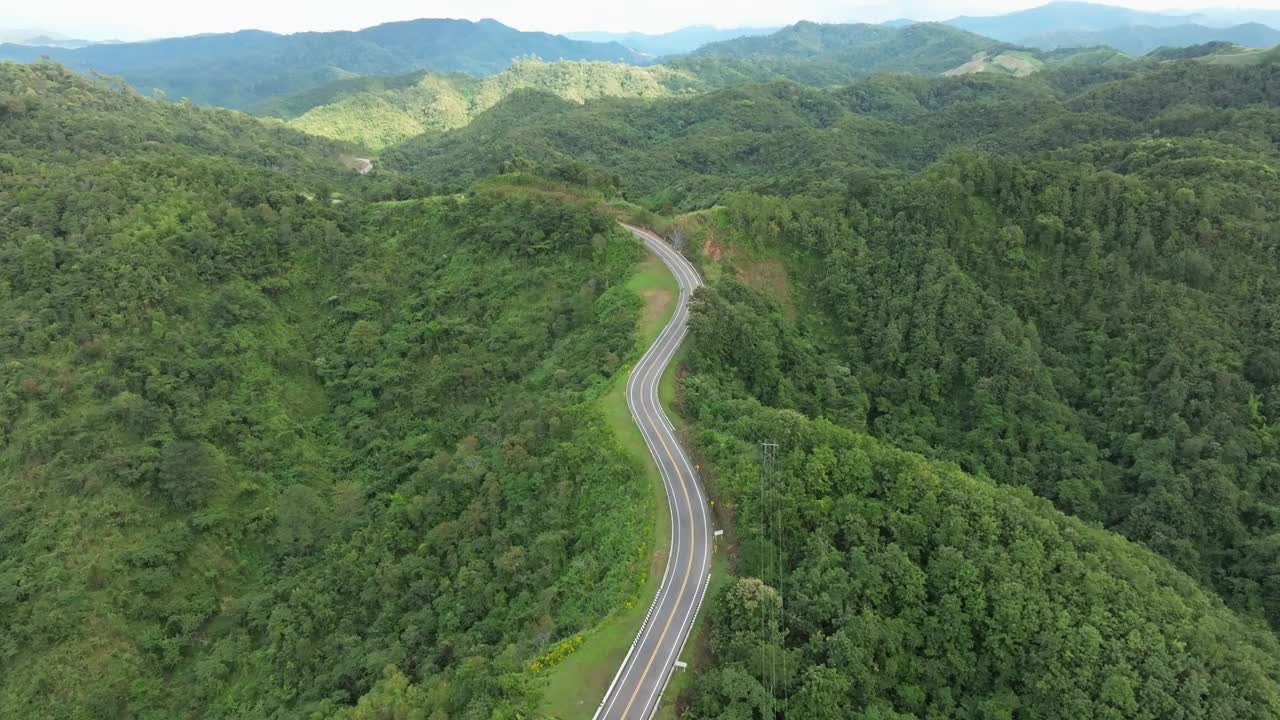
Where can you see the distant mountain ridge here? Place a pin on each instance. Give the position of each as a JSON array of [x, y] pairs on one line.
[[676, 42], [239, 69], [378, 112], [35, 37], [1071, 24], [1142, 40], [1234, 16], [1066, 15], [926, 48], [245, 69], [381, 111], [809, 40]]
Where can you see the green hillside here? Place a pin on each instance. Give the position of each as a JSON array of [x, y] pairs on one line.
[[280, 440], [983, 322], [377, 112], [788, 139], [287, 107], [1178, 231], [1140, 40], [1010, 62], [750, 136], [875, 583], [775, 138], [834, 54], [241, 69], [266, 444], [925, 48], [1076, 340]]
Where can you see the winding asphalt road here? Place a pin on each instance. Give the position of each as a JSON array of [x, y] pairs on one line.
[[637, 688]]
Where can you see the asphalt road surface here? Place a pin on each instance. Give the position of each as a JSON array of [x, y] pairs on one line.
[[637, 687]]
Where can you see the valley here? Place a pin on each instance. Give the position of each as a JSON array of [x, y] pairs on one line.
[[438, 369]]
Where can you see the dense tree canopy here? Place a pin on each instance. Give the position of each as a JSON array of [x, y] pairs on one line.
[[281, 440], [266, 447], [908, 589], [784, 138], [377, 112], [1024, 321], [1091, 319]]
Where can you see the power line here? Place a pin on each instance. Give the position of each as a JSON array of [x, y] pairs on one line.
[[771, 566]]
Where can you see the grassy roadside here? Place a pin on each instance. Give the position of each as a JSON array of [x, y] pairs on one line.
[[579, 682], [576, 685]]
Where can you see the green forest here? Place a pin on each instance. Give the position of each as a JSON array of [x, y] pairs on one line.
[[282, 440], [1121, 382], [377, 112], [249, 67], [266, 439]]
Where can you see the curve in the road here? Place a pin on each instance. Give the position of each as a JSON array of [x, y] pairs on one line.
[[637, 688]]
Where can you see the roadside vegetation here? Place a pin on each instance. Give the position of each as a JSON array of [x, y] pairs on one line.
[[270, 448], [575, 687], [1050, 330], [278, 440]]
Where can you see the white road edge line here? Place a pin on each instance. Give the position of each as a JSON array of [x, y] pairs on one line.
[[638, 371], [650, 368]]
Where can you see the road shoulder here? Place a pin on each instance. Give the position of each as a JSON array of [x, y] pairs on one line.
[[574, 687]]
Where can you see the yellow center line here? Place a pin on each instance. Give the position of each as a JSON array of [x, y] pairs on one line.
[[684, 582]]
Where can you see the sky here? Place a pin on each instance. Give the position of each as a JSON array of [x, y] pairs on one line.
[[138, 19]]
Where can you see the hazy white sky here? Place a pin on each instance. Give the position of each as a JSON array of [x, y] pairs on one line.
[[133, 19]]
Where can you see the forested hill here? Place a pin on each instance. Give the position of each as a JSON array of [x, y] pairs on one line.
[[810, 39], [269, 446], [380, 111], [1021, 321], [676, 42], [782, 138], [1142, 40], [1089, 317], [1068, 15], [278, 440], [924, 48], [239, 69], [1061, 286], [873, 583], [376, 112]]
